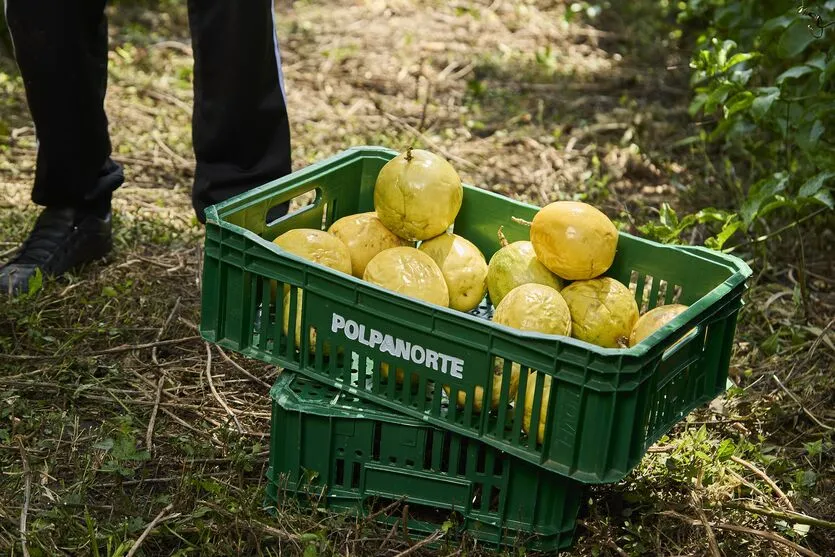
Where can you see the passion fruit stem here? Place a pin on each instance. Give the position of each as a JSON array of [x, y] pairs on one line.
[[409, 154], [523, 222], [502, 238]]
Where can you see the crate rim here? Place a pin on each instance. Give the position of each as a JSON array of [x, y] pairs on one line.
[[694, 313], [290, 402]]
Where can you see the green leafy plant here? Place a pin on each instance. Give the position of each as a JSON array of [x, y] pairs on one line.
[[122, 454], [763, 74]]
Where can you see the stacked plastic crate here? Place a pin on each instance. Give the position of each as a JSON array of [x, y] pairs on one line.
[[349, 433]]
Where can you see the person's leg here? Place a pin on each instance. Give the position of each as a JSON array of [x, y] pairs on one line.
[[240, 126], [61, 51]]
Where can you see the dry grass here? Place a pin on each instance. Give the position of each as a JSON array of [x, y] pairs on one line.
[[116, 425]]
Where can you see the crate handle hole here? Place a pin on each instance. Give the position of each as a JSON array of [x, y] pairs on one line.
[[686, 339], [291, 208]]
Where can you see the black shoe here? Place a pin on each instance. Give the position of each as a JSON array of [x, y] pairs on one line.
[[62, 240]]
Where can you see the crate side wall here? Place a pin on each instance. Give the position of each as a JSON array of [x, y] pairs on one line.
[[498, 498]]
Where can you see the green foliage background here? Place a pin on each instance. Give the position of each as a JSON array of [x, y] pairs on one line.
[[763, 76]]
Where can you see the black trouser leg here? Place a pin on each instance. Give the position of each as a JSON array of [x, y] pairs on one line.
[[61, 50], [241, 132]]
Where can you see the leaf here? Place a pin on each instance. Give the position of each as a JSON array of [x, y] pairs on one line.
[[797, 299], [740, 101], [793, 73], [794, 39], [801, 529], [818, 61], [104, 445], [722, 54], [657, 232], [816, 132], [780, 22], [814, 448], [667, 215], [718, 241], [702, 61], [738, 59], [109, 292], [825, 197], [763, 102], [210, 486], [711, 215], [809, 478], [808, 135], [135, 524], [726, 450], [778, 203], [770, 345], [760, 193], [140, 455], [717, 96], [697, 104], [741, 77], [125, 449], [123, 548], [35, 282]]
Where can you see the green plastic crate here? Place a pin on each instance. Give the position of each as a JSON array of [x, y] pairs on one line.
[[605, 407], [336, 451]]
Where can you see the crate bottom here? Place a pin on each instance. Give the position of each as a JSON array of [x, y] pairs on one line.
[[333, 451], [424, 520]]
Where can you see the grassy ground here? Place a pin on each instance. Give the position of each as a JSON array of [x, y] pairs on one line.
[[107, 444]]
